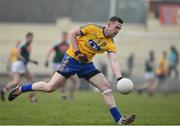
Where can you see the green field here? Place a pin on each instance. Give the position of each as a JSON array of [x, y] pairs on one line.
[[88, 108]]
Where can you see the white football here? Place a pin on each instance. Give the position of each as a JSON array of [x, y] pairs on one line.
[[125, 86]]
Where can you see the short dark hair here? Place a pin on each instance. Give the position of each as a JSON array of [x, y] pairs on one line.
[[29, 34], [114, 18]]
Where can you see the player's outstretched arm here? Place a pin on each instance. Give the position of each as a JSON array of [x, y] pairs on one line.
[[112, 56], [34, 61]]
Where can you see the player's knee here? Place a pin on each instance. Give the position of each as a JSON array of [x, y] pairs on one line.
[[106, 86], [106, 90], [50, 88]]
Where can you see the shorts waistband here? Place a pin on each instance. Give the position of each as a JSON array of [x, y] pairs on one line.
[[76, 61]]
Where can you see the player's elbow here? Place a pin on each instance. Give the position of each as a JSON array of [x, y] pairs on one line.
[[72, 33], [75, 32]]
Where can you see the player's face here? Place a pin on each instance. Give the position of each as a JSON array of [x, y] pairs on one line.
[[29, 38], [114, 28], [64, 37]]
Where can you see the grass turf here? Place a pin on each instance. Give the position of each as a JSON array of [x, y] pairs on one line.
[[88, 108]]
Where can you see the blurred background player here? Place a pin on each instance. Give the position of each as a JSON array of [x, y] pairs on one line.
[[87, 41], [130, 64], [161, 74], [149, 74], [12, 58], [19, 67], [173, 61], [60, 49]]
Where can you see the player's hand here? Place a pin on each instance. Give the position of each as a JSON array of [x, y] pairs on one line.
[[81, 57], [35, 62], [119, 78], [46, 64], [25, 61]]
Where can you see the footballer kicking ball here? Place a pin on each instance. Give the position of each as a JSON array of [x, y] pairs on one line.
[[125, 86]]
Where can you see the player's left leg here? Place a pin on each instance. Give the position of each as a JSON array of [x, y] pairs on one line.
[[29, 77], [102, 84]]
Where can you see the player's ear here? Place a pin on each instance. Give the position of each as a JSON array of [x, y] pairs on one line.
[[109, 23]]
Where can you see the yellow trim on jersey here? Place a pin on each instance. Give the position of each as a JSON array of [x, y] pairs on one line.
[[13, 55], [92, 42]]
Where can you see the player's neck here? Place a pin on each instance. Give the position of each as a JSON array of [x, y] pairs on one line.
[[105, 32]]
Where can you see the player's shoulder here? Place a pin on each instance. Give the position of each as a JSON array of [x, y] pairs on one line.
[[56, 43], [111, 41], [91, 25], [22, 44], [98, 26]]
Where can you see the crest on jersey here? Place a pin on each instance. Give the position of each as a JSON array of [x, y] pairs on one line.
[[93, 44]]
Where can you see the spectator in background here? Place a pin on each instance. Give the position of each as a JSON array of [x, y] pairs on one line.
[[173, 60], [130, 64], [59, 49]]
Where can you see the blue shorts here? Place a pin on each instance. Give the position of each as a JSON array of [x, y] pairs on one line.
[[70, 66], [161, 77]]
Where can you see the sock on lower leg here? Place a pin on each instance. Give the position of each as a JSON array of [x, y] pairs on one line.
[[26, 87], [116, 114]]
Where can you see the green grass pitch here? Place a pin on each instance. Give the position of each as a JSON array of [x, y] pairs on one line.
[[88, 108]]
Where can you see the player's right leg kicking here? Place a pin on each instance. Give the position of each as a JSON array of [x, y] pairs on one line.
[[102, 84]]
